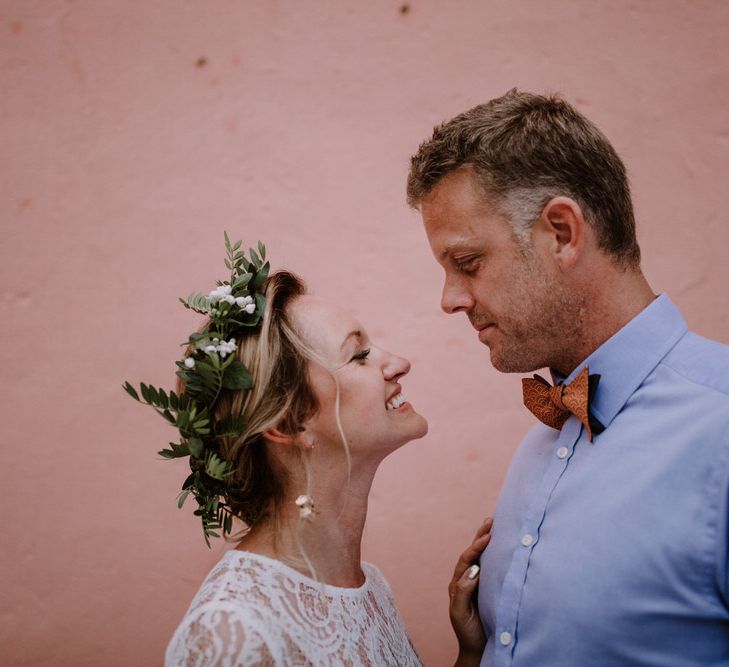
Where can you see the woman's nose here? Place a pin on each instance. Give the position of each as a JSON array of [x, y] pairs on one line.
[[395, 367]]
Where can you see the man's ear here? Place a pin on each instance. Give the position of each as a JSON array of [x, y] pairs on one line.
[[563, 228]]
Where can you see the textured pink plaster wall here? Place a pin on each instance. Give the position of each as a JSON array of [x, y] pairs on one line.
[[133, 133]]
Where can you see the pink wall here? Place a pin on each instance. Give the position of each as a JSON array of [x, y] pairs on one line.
[[133, 133]]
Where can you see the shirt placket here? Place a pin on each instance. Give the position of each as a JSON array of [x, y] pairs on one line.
[[506, 633]]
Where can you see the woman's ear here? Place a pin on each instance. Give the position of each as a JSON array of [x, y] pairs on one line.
[[302, 438], [279, 437], [563, 227]]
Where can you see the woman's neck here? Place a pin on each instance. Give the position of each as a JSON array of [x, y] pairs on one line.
[[330, 541]]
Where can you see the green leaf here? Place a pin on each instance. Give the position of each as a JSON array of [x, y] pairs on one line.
[[168, 416], [262, 250], [236, 376], [260, 307], [261, 276], [177, 451], [200, 303], [196, 447], [131, 391], [153, 395], [227, 240], [189, 480], [162, 397], [237, 245], [216, 467], [182, 497], [241, 281], [254, 257], [228, 524], [229, 427], [145, 391], [205, 371]]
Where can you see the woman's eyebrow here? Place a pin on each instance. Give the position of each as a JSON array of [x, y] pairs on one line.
[[352, 334]]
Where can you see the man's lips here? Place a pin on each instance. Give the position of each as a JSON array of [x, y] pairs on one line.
[[483, 330]]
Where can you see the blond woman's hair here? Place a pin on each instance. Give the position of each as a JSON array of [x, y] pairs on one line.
[[281, 397]]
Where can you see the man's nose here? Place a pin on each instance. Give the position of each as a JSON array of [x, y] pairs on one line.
[[455, 297]]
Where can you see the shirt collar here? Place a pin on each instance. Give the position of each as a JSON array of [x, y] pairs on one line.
[[627, 358]]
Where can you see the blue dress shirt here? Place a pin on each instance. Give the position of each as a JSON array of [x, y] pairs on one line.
[[614, 553]]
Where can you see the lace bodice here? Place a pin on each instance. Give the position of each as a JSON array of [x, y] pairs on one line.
[[254, 610]]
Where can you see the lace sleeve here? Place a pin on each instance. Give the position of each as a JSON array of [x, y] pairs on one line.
[[218, 635]]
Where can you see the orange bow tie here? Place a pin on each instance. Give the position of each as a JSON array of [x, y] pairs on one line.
[[553, 405]]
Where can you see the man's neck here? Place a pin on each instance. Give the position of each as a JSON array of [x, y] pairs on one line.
[[612, 302]]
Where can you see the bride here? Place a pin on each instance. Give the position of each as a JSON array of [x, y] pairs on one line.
[[304, 410]]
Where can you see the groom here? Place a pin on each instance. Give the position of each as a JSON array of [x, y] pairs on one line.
[[610, 538]]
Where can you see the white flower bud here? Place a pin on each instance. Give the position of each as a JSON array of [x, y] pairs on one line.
[[250, 308], [189, 362]]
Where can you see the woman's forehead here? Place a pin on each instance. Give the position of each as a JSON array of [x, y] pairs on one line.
[[323, 324]]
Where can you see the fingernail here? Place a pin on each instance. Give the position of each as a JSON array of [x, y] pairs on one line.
[[473, 571]]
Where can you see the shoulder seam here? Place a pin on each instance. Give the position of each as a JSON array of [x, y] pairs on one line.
[[707, 385]]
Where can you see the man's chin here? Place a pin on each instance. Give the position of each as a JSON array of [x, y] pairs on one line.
[[512, 363]]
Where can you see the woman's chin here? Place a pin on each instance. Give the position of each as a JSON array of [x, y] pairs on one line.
[[419, 428], [424, 428]]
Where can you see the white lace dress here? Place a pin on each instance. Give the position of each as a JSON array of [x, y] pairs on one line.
[[254, 610]]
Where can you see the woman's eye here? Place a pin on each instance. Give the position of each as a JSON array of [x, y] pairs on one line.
[[361, 356]]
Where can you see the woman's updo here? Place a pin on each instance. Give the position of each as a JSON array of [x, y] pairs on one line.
[[281, 398]]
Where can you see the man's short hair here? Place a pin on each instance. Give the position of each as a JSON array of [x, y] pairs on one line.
[[526, 149]]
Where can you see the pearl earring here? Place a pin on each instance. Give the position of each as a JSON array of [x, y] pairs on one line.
[[306, 506]]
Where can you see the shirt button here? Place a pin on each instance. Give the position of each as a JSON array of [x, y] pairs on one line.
[[505, 638], [527, 540], [562, 452]]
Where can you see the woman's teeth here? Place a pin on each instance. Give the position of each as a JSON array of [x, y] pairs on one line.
[[395, 402]]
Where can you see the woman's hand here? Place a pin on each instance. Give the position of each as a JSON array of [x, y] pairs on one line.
[[462, 590]]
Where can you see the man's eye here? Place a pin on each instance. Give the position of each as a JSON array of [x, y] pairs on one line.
[[361, 356], [468, 266]]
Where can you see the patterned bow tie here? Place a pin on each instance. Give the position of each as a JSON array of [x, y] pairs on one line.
[[553, 405]]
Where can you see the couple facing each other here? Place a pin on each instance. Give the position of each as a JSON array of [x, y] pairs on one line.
[[609, 543]]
